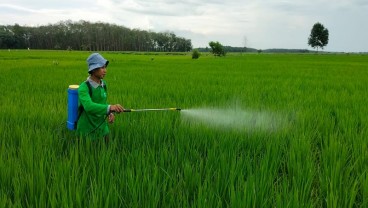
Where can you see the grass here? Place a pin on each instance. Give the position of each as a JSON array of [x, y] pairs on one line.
[[156, 159]]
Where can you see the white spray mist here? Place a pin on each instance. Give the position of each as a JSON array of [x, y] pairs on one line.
[[239, 119]]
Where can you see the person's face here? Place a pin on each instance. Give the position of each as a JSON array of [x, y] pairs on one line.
[[100, 73]]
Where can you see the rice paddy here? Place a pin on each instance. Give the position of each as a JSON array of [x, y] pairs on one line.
[[256, 130]]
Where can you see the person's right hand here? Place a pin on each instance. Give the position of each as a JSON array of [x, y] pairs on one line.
[[116, 108]]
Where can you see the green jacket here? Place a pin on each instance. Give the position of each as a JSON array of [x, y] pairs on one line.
[[92, 122]]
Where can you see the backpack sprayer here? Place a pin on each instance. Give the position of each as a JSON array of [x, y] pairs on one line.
[[73, 107]]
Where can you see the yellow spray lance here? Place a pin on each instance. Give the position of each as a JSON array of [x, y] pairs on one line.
[[152, 109]]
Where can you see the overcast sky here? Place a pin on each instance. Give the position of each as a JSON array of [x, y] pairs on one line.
[[260, 24]]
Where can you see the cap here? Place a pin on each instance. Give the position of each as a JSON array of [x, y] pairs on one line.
[[95, 60]]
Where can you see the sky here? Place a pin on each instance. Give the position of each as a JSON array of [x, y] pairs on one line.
[[260, 24]]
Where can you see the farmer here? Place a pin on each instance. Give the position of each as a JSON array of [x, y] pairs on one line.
[[92, 98]]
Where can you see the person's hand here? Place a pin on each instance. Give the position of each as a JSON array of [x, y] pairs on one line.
[[111, 118], [116, 108]]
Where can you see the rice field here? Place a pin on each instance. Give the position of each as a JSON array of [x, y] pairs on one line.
[[256, 130]]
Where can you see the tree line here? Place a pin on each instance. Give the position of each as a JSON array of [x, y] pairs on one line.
[[84, 35]]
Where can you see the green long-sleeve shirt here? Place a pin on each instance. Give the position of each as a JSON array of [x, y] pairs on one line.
[[92, 122]]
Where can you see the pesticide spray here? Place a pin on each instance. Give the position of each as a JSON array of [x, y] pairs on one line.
[[233, 119]]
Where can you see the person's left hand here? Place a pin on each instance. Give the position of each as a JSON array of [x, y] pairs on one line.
[[111, 118]]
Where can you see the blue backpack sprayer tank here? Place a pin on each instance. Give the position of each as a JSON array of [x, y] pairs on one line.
[[72, 107]]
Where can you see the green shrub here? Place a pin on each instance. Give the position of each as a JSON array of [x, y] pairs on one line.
[[195, 54]]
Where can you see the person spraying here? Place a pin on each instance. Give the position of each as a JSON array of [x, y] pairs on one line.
[[93, 110]]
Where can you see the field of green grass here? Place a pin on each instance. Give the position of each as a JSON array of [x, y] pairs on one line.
[[311, 149]]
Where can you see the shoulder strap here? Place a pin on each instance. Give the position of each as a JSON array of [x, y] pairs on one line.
[[89, 88]]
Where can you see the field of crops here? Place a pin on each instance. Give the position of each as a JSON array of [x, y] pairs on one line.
[[256, 130]]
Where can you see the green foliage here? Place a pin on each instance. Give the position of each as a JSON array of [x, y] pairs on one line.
[[84, 35], [217, 49], [7, 38], [157, 159], [318, 37], [195, 54]]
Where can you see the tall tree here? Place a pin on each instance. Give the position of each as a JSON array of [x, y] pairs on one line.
[[84, 35], [318, 36], [217, 49], [7, 39]]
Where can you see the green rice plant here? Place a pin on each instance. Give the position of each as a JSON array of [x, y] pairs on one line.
[[302, 143]]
